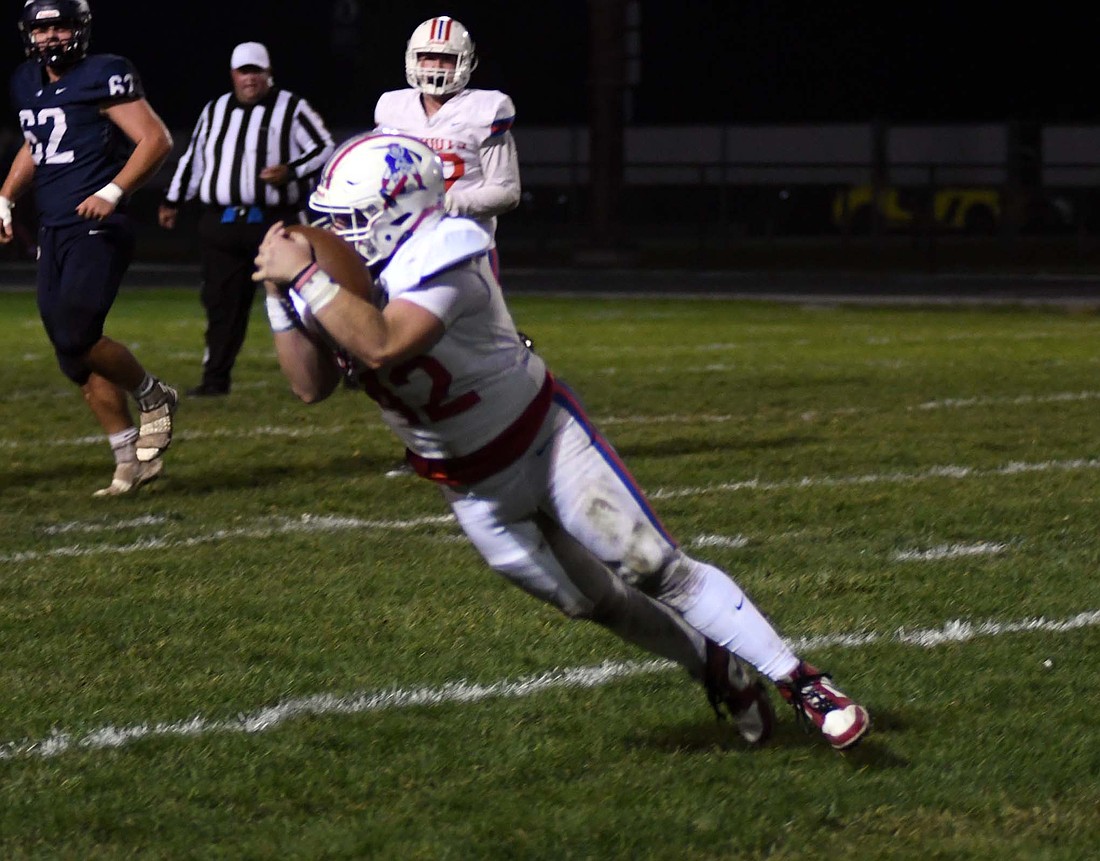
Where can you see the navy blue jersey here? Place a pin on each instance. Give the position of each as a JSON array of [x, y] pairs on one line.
[[76, 149]]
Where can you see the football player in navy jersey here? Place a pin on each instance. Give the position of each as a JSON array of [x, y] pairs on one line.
[[91, 139]]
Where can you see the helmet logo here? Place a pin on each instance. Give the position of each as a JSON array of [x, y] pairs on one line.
[[401, 169]]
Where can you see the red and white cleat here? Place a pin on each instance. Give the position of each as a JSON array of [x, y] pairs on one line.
[[817, 700]]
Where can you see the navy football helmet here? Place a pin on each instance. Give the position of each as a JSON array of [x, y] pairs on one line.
[[73, 14]]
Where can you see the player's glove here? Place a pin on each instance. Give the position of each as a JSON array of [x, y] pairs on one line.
[[6, 206]]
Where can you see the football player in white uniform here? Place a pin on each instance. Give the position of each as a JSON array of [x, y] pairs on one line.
[[534, 485], [470, 129]]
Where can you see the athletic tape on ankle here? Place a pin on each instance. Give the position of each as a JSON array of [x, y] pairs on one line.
[[315, 287], [279, 314]]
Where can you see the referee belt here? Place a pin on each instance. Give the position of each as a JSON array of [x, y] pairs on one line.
[[246, 214], [242, 214]]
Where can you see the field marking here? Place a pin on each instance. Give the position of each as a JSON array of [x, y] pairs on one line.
[[948, 471], [671, 418], [261, 720], [951, 551], [212, 434], [1019, 400], [307, 523], [70, 393], [943, 403], [728, 542], [113, 526]]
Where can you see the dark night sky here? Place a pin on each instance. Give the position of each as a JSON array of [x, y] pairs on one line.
[[703, 61]]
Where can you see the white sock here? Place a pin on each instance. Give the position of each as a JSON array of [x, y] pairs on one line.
[[712, 603], [124, 445]]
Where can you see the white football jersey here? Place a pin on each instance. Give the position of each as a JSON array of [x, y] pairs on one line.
[[478, 378], [466, 123]]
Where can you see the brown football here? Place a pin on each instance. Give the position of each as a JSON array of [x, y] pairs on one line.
[[338, 259]]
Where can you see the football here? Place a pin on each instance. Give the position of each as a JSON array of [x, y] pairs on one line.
[[337, 258]]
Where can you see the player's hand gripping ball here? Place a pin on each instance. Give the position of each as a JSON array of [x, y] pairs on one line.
[[342, 263], [338, 259]]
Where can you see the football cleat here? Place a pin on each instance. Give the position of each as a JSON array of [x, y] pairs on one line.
[[129, 476], [155, 433], [400, 470], [736, 693], [816, 700]]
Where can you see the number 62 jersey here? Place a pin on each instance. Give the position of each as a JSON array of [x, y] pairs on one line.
[[76, 149]]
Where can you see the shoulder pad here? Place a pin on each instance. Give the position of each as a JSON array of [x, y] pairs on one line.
[[491, 106], [434, 249], [389, 103]]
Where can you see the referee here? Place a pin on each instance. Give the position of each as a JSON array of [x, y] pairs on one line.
[[251, 161]]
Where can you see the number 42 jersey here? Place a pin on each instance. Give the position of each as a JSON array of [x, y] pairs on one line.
[[76, 148]]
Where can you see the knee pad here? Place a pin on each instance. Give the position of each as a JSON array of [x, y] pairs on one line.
[[650, 571], [678, 578]]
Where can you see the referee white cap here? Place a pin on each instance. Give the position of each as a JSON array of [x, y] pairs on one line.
[[250, 54]]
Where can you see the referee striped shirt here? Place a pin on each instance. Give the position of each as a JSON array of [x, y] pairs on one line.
[[232, 143]]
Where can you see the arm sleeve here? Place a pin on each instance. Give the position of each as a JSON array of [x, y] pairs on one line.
[[499, 190], [184, 184], [314, 140]]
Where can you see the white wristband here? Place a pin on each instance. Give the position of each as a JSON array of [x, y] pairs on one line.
[[277, 315], [317, 289], [111, 193], [6, 205]]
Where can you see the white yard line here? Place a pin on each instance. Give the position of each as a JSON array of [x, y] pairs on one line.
[[261, 720], [951, 551], [1020, 400], [275, 526], [329, 523], [236, 433], [308, 430], [948, 471], [729, 542]]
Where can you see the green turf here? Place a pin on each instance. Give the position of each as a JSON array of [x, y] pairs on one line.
[[860, 471]]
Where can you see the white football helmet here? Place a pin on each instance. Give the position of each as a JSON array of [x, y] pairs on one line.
[[376, 189], [441, 35]]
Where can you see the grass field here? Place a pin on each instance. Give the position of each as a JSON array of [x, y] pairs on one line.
[[277, 652]]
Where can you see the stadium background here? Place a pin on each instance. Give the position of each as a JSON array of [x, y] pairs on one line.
[[697, 67], [701, 61]]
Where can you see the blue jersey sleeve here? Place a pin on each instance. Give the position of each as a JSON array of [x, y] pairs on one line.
[[108, 78]]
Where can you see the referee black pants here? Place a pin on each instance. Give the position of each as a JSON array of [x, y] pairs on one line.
[[228, 251]]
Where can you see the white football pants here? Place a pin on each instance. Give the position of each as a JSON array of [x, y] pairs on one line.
[[567, 524]]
